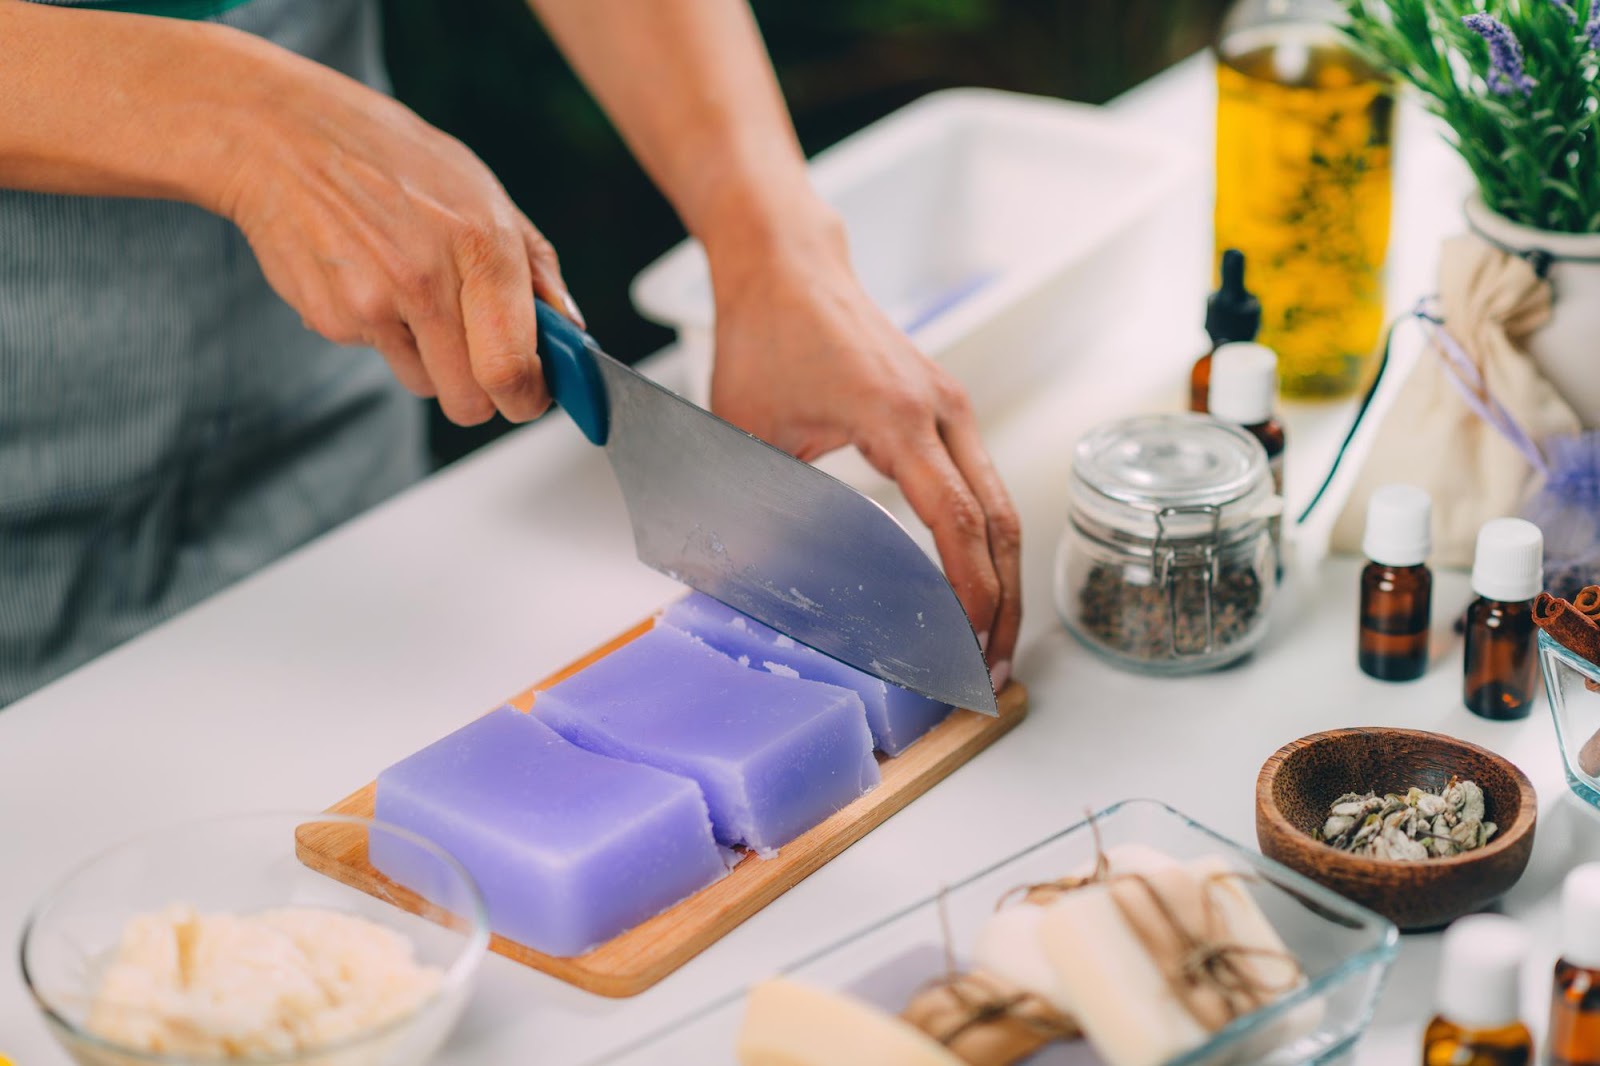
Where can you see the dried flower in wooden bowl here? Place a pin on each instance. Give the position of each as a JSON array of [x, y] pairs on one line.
[[1411, 827], [1300, 786]]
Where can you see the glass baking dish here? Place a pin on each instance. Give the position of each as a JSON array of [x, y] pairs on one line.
[[1571, 682], [1344, 949]]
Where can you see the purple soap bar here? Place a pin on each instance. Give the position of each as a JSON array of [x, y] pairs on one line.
[[774, 755], [569, 848], [897, 716]]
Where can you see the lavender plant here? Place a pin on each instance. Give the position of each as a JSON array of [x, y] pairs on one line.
[[1518, 84]]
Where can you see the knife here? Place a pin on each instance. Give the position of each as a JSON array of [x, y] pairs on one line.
[[745, 523]]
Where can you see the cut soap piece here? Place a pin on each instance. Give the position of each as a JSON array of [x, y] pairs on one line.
[[1118, 993], [568, 847], [774, 755], [1111, 984], [897, 716], [1010, 944], [791, 1024], [1275, 966]]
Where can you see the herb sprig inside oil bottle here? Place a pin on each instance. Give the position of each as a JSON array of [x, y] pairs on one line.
[[1303, 185]]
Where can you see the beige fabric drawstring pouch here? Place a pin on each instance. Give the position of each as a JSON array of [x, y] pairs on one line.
[[1446, 431]]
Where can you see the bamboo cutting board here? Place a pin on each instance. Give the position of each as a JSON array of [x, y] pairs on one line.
[[632, 961]]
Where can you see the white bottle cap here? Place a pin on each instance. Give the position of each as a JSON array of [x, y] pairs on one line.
[[1244, 383], [1398, 524], [1509, 563], [1580, 916], [1480, 971]]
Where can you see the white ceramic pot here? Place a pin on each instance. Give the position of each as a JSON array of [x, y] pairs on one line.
[[1567, 349]]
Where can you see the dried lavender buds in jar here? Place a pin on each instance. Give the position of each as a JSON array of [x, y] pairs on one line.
[[1167, 562], [1415, 826], [1142, 621]]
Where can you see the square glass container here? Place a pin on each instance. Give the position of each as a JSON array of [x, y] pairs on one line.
[[1571, 681], [1167, 564], [1344, 949]]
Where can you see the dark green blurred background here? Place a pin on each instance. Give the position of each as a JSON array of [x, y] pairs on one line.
[[486, 72]]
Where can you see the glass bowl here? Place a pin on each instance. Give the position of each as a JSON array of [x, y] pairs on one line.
[[1344, 949], [1571, 682], [243, 864]]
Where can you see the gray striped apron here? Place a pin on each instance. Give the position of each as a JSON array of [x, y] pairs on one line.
[[167, 425]]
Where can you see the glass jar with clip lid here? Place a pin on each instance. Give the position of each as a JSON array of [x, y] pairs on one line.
[[1167, 561]]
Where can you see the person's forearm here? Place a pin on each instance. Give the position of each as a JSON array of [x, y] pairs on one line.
[[689, 85], [97, 103]]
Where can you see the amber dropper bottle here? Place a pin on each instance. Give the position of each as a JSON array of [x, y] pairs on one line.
[[1232, 314], [1575, 997], [1478, 1022], [1507, 573], [1244, 391], [1396, 587]]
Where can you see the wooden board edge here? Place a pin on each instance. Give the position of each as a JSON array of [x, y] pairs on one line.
[[640, 958], [730, 914]]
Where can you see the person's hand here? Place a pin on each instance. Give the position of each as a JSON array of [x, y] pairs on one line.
[[806, 361], [382, 231]]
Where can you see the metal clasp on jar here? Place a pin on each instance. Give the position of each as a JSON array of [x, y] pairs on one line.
[[1190, 554]]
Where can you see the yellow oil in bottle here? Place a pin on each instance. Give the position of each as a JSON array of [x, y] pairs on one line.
[[1303, 189]]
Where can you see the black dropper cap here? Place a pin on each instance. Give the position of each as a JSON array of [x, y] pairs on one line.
[[1232, 312]]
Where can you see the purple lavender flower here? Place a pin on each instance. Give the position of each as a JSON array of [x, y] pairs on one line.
[[1592, 30], [1566, 8], [1505, 55]]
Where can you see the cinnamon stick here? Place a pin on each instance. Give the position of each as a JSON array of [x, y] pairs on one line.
[[1569, 626], [1588, 602]]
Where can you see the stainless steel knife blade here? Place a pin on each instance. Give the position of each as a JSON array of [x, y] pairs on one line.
[[787, 544]]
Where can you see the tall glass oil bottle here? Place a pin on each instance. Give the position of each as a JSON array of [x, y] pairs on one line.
[[1303, 186]]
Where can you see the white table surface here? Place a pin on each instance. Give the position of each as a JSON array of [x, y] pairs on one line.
[[300, 683]]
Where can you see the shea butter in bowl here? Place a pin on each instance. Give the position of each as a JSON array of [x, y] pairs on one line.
[[211, 942]]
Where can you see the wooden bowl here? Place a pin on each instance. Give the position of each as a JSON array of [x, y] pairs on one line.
[[1298, 785]]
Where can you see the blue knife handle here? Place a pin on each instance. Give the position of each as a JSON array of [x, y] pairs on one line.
[[570, 372]]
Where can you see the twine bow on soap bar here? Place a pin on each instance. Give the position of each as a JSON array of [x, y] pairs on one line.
[[1178, 920], [985, 1021], [981, 1019]]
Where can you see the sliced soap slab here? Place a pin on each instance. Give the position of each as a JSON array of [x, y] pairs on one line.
[[897, 716], [774, 755], [568, 847]]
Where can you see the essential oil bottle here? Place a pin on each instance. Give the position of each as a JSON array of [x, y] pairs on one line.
[[1396, 587], [1478, 1023], [1575, 996], [1501, 664], [1244, 391], [1232, 314]]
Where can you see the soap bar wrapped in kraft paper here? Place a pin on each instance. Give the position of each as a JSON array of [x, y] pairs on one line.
[[1144, 957]]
